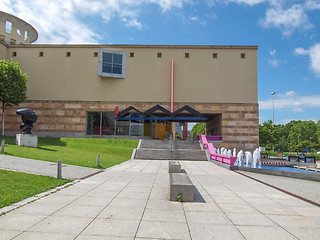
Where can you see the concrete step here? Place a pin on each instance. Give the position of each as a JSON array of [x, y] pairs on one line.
[[164, 144], [165, 154]]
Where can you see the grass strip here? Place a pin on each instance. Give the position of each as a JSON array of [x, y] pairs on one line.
[[75, 151], [16, 186]]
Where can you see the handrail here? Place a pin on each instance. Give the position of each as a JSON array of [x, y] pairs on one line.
[[213, 155]]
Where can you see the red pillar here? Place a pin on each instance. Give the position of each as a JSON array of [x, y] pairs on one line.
[[185, 132]]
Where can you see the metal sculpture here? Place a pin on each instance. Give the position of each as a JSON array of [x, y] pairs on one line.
[[28, 117]]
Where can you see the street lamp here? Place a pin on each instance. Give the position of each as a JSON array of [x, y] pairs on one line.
[[272, 94]]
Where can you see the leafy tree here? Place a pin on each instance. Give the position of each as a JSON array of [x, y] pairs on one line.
[[303, 135], [268, 134], [199, 129], [13, 85]]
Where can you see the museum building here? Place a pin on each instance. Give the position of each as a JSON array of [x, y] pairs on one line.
[[143, 91]]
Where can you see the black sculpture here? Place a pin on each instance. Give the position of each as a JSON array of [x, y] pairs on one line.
[[28, 118]]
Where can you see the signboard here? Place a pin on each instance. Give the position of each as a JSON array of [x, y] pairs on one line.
[[306, 150], [310, 160], [293, 158]]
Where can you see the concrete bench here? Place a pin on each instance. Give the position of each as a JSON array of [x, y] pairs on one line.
[[174, 167], [180, 184]]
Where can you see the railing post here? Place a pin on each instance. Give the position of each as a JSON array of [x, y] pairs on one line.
[[98, 160], [2, 146], [59, 169]]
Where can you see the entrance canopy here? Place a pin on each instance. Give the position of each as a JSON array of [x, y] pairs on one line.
[[184, 114]]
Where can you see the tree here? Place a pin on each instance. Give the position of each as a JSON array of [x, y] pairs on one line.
[[199, 129], [13, 85], [303, 135], [268, 134]]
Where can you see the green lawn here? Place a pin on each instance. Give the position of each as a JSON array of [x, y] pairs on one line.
[[16, 186], [75, 151]]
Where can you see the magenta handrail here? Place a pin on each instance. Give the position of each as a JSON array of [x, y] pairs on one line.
[[204, 141], [214, 156]]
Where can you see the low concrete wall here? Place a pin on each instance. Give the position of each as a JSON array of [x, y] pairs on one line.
[[305, 176], [298, 175]]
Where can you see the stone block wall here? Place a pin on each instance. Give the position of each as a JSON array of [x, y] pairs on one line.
[[237, 123]]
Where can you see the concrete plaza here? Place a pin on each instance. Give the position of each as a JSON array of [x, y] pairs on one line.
[[130, 201]]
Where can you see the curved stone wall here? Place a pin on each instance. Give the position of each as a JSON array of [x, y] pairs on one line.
[[14, 30]]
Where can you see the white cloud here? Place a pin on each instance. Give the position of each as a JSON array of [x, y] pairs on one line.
[[312, 5], [286, 15], [60, 21], [301, 51], [249, 2], [290, 93], [314, 54], [287, 120], [273, 52], [274, 62], [291, 101], [287, 20]]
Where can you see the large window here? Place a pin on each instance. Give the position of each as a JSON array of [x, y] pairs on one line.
[[112, 63], [103, 123], [8, 27]]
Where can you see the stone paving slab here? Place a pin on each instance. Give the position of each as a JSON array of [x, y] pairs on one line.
[[44, 168], [130, 201]]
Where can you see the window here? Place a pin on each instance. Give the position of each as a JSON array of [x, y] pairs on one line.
[[132, 54], [159, 55], [243, 55], [19, 32], [8, 27], [2, 37], [215, 55], [14, 54], [112, 63], [12, 41], [68, 54], [103, 123], [40, 54], [25, 36], [186, 55], [95, 54]]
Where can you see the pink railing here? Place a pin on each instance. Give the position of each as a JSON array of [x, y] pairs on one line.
[[214, 156], [204, 141], [211, 137]]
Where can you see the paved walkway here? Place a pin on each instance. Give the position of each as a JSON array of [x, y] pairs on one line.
[[43, 167], [304, 188], [130, 201]]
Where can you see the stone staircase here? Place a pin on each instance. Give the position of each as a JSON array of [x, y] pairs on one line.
[[160, 150]]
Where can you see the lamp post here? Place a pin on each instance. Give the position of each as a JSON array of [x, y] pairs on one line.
[[272, 94]]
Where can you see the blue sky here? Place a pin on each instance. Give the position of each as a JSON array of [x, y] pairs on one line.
[[286, 32]]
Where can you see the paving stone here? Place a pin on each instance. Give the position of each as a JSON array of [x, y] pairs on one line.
[[8, 234], [207, 217], [265, 233], [61, 224], [121, 213], [156, 215], [163, 230], [76, 210], [208, 231], [16, 221], [250, 219], [112, 227], [41, 236], [105, 206]]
